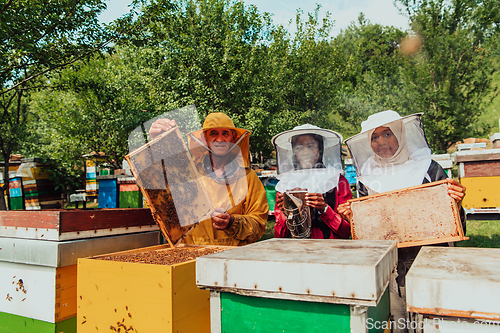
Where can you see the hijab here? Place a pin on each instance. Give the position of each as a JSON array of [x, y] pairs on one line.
[[402, 154]]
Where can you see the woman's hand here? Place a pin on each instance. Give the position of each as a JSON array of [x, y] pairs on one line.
[[221, 219], [160, 126], [316, 200], [279, 201], [456, 190], [345, 211]]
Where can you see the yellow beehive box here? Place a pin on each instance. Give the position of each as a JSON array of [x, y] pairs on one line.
[[133, 292]]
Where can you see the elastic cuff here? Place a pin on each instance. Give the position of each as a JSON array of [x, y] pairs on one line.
[[232, 228]]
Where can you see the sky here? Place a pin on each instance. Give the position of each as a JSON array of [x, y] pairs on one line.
[[343, 12]]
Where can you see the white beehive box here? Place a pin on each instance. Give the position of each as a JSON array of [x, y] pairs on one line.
[[332, 271], [455, 282], [38, 278]]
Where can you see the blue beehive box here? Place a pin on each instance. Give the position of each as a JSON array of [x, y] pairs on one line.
[[350, 174], [108, 191]]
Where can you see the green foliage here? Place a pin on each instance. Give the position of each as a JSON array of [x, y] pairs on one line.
[[374, 82], [451, 75], [221, 55], [37, 37], [95, 108]]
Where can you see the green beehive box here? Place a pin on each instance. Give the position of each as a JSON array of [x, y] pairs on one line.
[[130, 196], [307, 285]]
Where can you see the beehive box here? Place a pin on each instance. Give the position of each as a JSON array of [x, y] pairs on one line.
[[299, 285], [38, 279], [457, 288], [479, 172], [171, 184], [145, 290], [130, 196], [108, 191], [16, 194], [60, 225], [418, 215], [39, 189]]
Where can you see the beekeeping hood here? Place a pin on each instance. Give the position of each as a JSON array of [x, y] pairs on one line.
[[236, 159], [324, 176], [406, 167]]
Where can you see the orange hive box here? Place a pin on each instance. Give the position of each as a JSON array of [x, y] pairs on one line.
[[170, 183], [419, 215]]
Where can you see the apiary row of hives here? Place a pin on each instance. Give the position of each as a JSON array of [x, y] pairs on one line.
[[38, 260]]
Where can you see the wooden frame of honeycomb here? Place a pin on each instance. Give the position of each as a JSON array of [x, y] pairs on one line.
[[419, 215], [165, 160]]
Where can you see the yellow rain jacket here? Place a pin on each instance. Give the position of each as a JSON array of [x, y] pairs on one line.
[[240, 192]]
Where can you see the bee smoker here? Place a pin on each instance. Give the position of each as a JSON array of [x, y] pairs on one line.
[[298, 217]]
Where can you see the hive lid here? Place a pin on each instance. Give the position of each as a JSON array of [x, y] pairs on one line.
[[334, 271], [68, 224], [61, 254], [477, 155], [454, 281]]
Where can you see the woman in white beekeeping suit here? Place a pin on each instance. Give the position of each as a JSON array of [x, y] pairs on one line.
[[391, 153], [309, 159]]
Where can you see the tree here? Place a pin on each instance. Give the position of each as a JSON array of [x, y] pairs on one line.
[[452, 73], [95, 107], [375, 81], [36, 38]]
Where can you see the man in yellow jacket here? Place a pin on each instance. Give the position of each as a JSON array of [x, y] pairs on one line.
[[220, 151]]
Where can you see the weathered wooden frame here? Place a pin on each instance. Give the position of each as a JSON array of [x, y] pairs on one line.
[[173, 233], [424, 216]]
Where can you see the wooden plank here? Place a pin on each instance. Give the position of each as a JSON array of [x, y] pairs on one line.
[[482, 192], [30, 219], [128, 187], [191, 310], [65, 306], [477, 157], [419, 215], [54, 224], [268, 266], [60, 254], [455, 281], [36, 298], [241, 314], [104, 219], [482, 169], [455, 313]]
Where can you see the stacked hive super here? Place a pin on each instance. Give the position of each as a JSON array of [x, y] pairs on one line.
[[39, 190], [306, 285], [455, 290], [38, 260], [479, 171]]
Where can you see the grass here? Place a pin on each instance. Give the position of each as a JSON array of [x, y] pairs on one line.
[[481, 233], [269, 233]]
